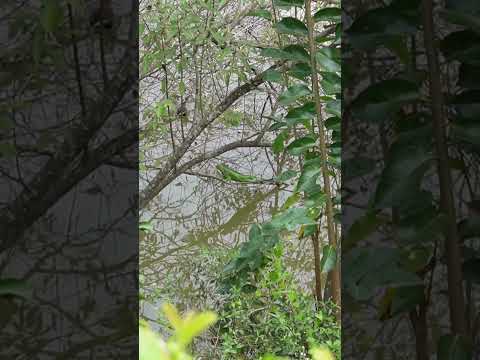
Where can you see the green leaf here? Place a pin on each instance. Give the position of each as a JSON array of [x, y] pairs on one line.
[[291, 26], [51, 15], [301, 113], [289, 3], [293, 93], [383, 25], [334, 107], [286, 175], [328, 59], [300, 71], [406, 298], [311, 168], [291, 200], [182, 88], [232, 118], [15, 287], [315, 198], [407, 163], [274, 53], [273, 76], [329, 259], [299, 146], [454, 347], [328, 14], [38, 44], [297, 53], [333, 123], [279, 142], [382, 99], [194, 325], [331, 83], [146, 226], [277, 125], [292, 218], [261, 13], [151, 347], [463, 12], [366, 269], [362, 228]]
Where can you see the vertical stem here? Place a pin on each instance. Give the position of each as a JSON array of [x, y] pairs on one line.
[[318, 271], [332, 239], [454, 269], [419, 322]]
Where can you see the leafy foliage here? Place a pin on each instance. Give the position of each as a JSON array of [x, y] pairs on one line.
[[276, 318]]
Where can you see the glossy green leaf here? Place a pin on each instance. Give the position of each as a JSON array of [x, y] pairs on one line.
[[328, 60], [367, 269], [286, 175], [328, 14], [292, 218], [291, 26], [293, 93], [407, 163], [311, 168], [274, 53], [385, 24], [463, 12], [334, 107], [277, 126], [289, 3], [279, 142], [331, 83], [273, 76], [296, 53], [15, 287], [301, 145], [362, 228], [291, 200], [301, 113], [300, 71], [380, 100], [329, 259]]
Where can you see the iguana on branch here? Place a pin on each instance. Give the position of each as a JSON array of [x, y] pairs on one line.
[[232, 175]]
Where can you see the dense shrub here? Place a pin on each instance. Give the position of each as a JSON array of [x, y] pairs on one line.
[[277, 317]]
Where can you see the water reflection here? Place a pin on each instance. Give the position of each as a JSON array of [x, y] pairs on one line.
[[197, 223]]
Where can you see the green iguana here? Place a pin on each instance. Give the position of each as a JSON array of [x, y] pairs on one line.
[[232, 175]]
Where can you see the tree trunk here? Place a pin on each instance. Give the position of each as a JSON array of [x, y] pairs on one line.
[[332, 239]]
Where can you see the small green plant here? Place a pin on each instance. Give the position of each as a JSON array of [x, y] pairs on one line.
[[276, 318], [152, 347]]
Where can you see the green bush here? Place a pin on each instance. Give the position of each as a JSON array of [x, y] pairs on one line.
[[277, 318]]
